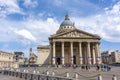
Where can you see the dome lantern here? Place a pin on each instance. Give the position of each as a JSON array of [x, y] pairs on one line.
[[67, 17]]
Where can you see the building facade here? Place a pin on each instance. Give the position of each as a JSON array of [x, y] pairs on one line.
[[19, 57], [115, 57], [72, 46], [110, 56], [44, 56], [6, 59]]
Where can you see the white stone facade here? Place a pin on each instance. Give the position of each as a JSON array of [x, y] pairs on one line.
[[110, 56], [6, 59], [19, 57], [44, 56], [71, 46]]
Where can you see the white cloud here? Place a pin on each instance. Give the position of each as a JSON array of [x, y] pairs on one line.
[[107, 24], [42, 29], [26, 34], [37, 31], [29, 31], [30, 3], [9, 7]]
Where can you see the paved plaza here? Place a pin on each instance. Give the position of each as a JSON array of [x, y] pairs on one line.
[[4, 77], [92, 74]]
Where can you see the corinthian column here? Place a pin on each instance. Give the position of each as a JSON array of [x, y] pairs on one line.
[[98, 53], [93, 53], [71, 46], [88, 53], [63, 55], [80, 54], [54, 56]]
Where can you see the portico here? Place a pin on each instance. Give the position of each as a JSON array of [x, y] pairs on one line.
[[75, 53], [72, 46]]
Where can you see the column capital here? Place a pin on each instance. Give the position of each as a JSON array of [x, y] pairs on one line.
[[97, 42], [62, 41], [88, 42], [53, 41], [79, 42], [71, 41]]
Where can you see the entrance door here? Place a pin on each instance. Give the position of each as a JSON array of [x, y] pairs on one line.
[[58, 61], [74, 59]]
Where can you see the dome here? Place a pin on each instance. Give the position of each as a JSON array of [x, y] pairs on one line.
[[66, 25], [67, 22]]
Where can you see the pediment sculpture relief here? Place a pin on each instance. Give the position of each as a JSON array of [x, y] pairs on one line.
[[75, 34]]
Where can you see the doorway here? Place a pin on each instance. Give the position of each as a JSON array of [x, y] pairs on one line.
[[58, 61], [74, 59]]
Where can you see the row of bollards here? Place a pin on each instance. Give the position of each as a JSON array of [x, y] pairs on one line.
[[48, 73], [68, 75], [34, 76], [113, 78], [99, 76], [76, 75], [53, 73]]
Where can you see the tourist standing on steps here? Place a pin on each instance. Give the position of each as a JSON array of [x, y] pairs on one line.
[[86, 67], [98, 67]]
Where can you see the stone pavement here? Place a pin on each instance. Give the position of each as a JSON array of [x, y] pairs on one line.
[[3, 77]]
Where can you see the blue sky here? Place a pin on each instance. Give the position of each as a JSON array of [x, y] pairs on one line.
[[29, 23]]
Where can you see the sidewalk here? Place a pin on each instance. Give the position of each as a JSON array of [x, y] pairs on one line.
[[3, 77]]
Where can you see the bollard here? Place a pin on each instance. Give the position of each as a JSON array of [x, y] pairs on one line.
[[16, 70], [76, 76], [53, 73], [37, 72], [47, 73], [34, 72], [99, 77], [24, 71], [114, 77], [67, 74]]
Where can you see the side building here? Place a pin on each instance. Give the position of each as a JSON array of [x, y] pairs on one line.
[[110, 56], [19, 57], [44, 56], [6, 59]]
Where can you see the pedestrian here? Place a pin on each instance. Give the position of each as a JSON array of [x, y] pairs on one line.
[[108, 68], [86, 67], [98, 68]]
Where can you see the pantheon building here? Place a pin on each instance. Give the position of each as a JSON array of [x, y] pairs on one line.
[[70, 46]]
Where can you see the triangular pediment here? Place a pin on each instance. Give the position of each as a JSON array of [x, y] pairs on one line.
[[75, 34]]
